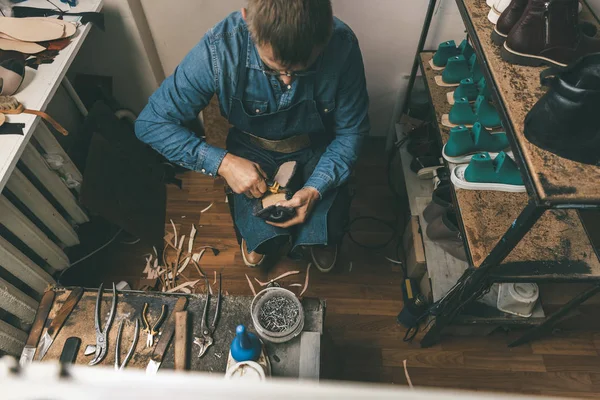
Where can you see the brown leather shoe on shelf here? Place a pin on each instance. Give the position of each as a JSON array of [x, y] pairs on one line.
[[548, 32], [251, 259], [324, 257]]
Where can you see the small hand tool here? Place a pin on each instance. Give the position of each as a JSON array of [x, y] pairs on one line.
[[181, 340], [165, 338], [70, 350], [101, 347], [206, 336], [58, 321], [152, 330], [37, 328], [136, 334]]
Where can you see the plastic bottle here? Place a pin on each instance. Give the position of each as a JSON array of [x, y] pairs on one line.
[[246, 346]]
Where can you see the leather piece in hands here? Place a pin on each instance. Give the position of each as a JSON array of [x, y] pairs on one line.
[[266, 208]]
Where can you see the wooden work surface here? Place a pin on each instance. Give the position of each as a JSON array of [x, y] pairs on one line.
[[557, 245], [556, 179], [234, 311]]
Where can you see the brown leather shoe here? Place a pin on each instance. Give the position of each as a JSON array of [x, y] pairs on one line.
[[513, 13], [509, 18], [251, 259], [324, 257], [548, 33]]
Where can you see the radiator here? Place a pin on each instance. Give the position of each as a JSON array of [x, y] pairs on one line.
[[39, 212]]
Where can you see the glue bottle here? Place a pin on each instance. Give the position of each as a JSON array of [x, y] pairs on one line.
[[246, 346]]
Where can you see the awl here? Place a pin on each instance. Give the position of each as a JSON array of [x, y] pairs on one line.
[[36, 330], [168, 330], [58, 321]]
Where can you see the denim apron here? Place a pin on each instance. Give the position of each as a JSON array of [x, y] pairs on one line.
[[302, 117]]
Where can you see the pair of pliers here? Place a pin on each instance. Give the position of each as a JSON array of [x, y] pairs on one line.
[[101, 347], [152, 330], [205, 340]]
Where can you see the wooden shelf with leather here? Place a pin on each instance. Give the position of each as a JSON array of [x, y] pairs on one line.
[[556, 248], [556, 180]]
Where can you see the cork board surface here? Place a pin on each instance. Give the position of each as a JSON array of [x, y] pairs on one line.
[[556, 179], [234, 311], [558, 240]]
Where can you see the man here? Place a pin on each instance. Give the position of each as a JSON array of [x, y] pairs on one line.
[[290, 79]]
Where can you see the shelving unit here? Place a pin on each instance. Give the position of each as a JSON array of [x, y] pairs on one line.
[[536, 236]]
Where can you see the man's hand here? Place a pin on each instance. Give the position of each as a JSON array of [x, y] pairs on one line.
[[303, 202], [243, 176]]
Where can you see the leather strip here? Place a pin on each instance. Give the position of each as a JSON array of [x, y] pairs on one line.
[[286, 146]]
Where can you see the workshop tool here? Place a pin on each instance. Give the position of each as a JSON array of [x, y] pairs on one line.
[[152, 330], [206, 336], [58, 321], [136, 334], [165, 338], [246, 345], [70, 350], [37, 328], [101, 347], [181, 340]]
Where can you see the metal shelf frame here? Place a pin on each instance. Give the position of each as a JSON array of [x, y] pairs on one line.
[[476, 281]]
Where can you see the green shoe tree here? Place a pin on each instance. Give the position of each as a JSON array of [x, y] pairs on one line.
[[465, 49], [467, 89], [444, 52], [462, 112], [475, 68], [486, 113], [484, 89], [464, 141], [482, 169], [456, 70]]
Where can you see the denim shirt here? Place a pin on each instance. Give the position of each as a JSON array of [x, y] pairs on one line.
[[211, 67]]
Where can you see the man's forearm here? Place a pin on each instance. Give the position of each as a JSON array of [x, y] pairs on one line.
[[336, 164]]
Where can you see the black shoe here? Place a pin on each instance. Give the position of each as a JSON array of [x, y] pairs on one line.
[[565, 121]]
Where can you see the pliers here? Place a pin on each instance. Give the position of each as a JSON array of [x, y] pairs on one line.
[[152, 331], [206, 337], [101, 347], [136, 334]]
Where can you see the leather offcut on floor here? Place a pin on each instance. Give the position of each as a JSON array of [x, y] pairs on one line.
[[363, 341]]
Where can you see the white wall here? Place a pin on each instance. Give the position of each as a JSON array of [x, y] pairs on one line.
[[125, 51], [388, 31]]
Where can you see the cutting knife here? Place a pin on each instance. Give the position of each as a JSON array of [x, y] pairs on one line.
[[58, 321], [37, 328], [168, 330]]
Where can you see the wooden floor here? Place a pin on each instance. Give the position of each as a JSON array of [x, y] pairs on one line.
[[364, 296]]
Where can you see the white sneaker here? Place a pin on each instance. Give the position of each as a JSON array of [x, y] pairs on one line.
[[498, 8]]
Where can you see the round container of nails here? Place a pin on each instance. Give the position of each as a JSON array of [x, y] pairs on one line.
[[277, 315]]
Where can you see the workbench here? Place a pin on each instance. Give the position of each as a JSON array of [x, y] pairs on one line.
[[298, 358]]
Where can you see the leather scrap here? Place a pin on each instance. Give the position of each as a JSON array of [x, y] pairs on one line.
[[93, 17]]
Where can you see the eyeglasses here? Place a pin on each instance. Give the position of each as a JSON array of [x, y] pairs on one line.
[[288, 74]]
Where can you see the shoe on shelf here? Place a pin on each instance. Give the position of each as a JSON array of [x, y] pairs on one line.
[[419, 164], [469, 89], [465, 113], [251, 259], [441, 176], [459, 68], [324, 257], [441, 200], [565, 120], [444, 232], [548, 33], [498, 8], [484, 173], [465, 142], [447, 50], [513, 13]]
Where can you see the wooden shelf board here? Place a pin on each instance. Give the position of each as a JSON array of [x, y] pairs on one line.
[[556, 179], [557, 247]]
